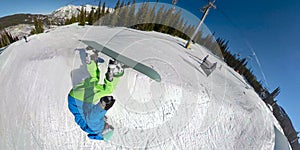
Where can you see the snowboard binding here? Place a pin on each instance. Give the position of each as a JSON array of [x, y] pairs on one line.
[[115, 69], [92, 54]]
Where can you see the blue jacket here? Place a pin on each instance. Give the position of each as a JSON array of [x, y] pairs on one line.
[[88, 116]]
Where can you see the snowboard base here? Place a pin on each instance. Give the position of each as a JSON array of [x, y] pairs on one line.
[[140, 67]]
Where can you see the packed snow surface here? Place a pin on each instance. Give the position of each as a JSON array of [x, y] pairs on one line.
[[186, 110]]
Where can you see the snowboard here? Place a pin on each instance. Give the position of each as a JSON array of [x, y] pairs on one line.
[[108, 131], [148, 71], [108, 135]]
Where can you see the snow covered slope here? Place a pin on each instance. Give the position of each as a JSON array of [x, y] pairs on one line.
[[186, 110], [20, 30]]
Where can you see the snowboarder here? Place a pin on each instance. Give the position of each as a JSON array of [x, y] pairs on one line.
[[207, 66], [25, 38], [89, 101], [204, 59]]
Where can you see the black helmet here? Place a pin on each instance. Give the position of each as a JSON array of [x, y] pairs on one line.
[[108, 102]]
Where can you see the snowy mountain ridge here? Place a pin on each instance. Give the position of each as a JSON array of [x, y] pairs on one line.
[[66, 12], [58, 16], [186, 110]]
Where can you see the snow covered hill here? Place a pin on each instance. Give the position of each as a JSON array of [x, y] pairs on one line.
[[66, 12], [186, 110], [20, 30]]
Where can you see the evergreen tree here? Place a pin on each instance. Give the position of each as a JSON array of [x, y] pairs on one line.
[[159, 18], [67, 22], [115, 15], [10, 38], [35, 21], [103, 9], [78, 17], [38, 26], [207, 41], [189, 31], [106, 19], [239, 65], [124, 16], [174, 21], [139, 14], [184, 30], [131, 15], [117, 5], [98, 13], [82, 17], [146, 18], [48, 21], [73, 19], [179, 27], [114, 18], [152, 18], [122, 4], [33, 31], [103, 18], [6, 38], [275, 92], [91, 18], [119, 13], [166, 21], [198, 38], [152, 13], [1, 41], [107, 11]]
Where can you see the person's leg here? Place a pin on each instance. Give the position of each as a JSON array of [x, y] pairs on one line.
[[115, 69]]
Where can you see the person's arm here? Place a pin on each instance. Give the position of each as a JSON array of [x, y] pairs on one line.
[[109, 86], [97, 112], [95, 118]]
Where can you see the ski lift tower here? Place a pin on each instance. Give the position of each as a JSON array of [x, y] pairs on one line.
[[174, 2], [205, 10]]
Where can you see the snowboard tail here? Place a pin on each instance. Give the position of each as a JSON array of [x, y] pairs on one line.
[[108, 136], [151, 73]]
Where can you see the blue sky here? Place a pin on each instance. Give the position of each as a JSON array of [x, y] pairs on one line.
[[269, 27]]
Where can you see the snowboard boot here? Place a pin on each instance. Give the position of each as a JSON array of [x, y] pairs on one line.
[[91, 55], [115, 69]]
